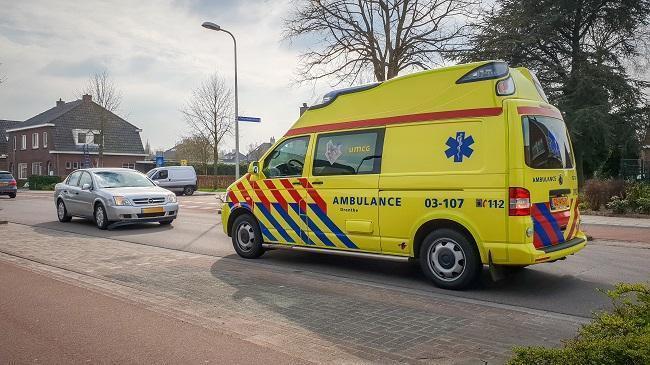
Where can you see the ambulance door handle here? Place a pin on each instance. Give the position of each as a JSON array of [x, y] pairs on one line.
[[317, 183], [296, 183]]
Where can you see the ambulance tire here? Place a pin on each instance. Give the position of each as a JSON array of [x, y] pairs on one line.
[[450, 259], [247, 237]]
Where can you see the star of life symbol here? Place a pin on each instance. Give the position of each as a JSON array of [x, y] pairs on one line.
[[332, 152], [459, 147]]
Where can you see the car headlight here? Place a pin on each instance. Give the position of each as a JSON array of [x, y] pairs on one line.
[[171, 198], [120, 200]]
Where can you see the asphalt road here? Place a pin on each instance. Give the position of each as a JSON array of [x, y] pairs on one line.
[[567, 287], [38, 326]]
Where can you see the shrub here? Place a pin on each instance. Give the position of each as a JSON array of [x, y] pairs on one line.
[[621, 336], [38, 182], [638, 194], [598, 192], [618, 205]]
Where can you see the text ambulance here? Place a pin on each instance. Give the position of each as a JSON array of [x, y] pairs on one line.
[[457, 167]]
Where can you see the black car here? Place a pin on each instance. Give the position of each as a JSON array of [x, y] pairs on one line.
[[7, 184]]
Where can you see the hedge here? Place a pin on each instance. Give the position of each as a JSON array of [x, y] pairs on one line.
[[39, 182], [620, 336]]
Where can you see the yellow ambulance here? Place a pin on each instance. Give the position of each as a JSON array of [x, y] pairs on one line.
[[456, 167]]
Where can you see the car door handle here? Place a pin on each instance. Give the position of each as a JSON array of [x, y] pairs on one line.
[[317, 183], [297, 183]]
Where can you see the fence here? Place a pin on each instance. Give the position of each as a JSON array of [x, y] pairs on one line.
[[635, 169], [214, 182]]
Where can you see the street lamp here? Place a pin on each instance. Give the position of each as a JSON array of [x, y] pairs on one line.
[[215, 27]]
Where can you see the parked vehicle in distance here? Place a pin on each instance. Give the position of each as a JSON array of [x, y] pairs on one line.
[[457, 167], [113, 196], [179, 179], [8, 184]]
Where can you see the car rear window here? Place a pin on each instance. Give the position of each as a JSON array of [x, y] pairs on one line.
[[5, 176], [546, 143]]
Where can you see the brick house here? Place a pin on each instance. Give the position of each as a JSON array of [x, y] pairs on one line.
[[4, 142], [57, 141]]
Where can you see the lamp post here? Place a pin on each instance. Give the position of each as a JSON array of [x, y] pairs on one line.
[[215, 27]]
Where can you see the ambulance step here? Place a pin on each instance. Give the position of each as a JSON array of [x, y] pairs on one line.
[[336, 252]]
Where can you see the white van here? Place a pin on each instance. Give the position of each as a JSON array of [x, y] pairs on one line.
[[179, 179]]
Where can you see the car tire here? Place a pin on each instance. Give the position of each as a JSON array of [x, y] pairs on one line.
[[12, 195], [166, 223], [62, 212], [101, 220], [450, 259], [188, 190], [247, 237]]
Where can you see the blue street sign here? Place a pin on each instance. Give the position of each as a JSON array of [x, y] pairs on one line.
[[249, 119], [160, 161]]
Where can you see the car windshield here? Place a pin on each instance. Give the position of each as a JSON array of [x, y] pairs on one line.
[[5, 176], [122, 179]]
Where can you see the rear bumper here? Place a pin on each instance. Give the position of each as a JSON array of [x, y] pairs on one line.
[[527, 254], [5, 190]]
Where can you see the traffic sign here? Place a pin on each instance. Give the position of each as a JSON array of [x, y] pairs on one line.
[[242, 118]]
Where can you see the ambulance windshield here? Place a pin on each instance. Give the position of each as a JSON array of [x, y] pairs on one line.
[[546, 143]]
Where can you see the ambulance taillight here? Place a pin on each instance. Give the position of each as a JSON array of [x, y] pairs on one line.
[[519, 202]]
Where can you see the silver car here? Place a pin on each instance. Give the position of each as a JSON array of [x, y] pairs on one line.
[[112, 197]]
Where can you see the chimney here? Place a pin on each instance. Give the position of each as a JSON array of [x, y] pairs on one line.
[[86, 98], [303, 108], [272, 140], [60, 102]]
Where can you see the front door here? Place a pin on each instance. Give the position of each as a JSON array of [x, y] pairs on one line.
[[342, 190], [277, 199]]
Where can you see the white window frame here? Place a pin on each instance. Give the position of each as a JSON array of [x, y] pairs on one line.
[[44, 139], [68, 165], [35, 141], [23, 142], [128, 165], [37, 168], [90, 136], [75, 165], [22, 175]]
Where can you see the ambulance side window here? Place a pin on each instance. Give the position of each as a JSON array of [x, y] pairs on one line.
[[288, 159], [349, 153]]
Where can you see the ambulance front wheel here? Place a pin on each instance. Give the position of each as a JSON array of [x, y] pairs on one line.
[[247, 237], [449, 259]]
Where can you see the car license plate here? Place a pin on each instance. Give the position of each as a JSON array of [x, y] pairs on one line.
[[153, 210], [560, 203], [2, 183]]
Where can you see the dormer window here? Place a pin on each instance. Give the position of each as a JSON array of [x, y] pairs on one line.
[[86, 136]]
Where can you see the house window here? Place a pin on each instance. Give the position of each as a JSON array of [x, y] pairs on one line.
[[44, 139], [81, 138], [23, 142], [22, 170], [36, 168], [75, 165], [68, 165], [97, 138], [128, 165], [34, 140], [85, 136], [14, 143]]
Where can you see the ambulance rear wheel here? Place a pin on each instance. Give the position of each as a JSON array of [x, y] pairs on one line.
[[449, 259], [247, 237]]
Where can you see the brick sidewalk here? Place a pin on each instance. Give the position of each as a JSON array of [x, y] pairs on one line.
[[315, 317]]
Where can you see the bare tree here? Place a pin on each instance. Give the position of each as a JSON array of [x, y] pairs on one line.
[[209, 113], [104, 92], [195, 148], [380, 37]]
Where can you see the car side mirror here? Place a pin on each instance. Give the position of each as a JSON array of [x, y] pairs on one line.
[[85, 187], [254, 168]]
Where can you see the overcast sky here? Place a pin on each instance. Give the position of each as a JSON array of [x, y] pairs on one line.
[[157, 52]]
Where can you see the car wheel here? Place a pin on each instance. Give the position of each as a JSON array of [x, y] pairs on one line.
[[12, 195], [101, 220], [62, 212], [189, 190], [247, 237], [449, 259], [166, 223]]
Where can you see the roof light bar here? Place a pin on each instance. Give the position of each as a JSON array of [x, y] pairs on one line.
[[488, 71]]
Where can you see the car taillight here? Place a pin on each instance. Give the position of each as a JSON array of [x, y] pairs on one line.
[[519, 202], [12, 183]]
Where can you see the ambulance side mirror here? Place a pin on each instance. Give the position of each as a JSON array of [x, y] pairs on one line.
[[253, 168]]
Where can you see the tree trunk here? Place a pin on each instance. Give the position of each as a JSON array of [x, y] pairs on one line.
[[215, 155], [579, 168]]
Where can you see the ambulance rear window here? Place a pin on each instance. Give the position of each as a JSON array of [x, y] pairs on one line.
[[546, 143]]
